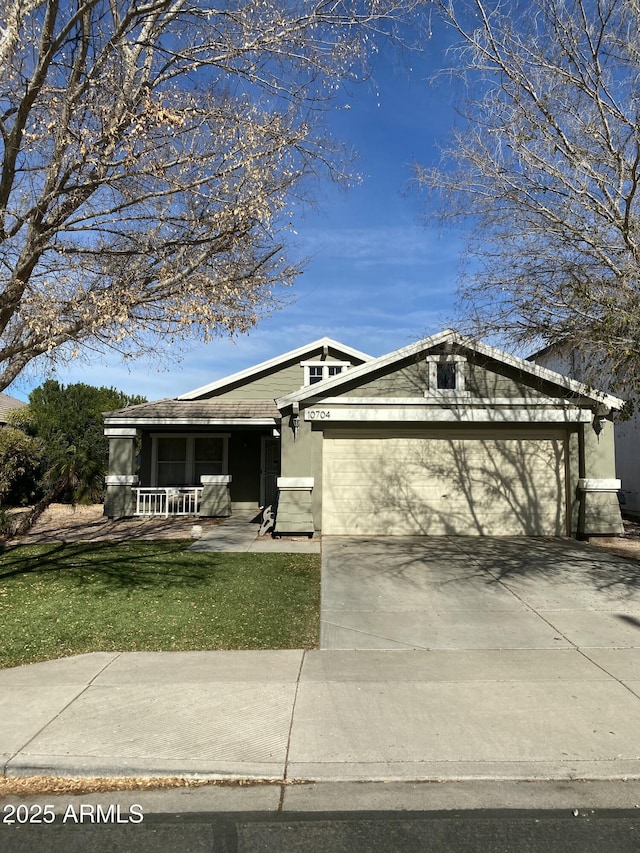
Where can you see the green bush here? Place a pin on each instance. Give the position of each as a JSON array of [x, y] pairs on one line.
[[68, 421], [20, 459]]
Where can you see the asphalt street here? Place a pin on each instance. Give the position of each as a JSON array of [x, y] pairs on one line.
[[370, 832]]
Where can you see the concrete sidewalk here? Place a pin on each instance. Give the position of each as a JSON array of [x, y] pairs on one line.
[[348, 716]]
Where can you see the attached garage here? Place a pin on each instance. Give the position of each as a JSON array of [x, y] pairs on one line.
[[448, 436], [468, 483]]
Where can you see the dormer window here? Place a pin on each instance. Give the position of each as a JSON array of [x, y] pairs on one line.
[[318, 371], [446, 374]]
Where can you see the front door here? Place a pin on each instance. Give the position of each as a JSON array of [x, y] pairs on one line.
[[270, 471]]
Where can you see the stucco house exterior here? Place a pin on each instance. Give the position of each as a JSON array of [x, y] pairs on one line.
[[444, 436], [578, 365]]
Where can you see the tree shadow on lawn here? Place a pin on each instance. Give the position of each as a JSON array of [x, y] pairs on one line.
[[107, 565]]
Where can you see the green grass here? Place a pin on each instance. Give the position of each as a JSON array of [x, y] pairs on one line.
[[66, 599]]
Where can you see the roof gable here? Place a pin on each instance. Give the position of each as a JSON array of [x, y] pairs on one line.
[[526, 368], [274, 364]]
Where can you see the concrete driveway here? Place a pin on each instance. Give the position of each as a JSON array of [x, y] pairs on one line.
[[455, 593]]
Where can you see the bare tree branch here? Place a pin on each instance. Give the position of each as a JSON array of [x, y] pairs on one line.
[[546, 170], [150, 155]]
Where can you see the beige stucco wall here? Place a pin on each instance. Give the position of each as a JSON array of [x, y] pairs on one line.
[[122, 456], [483, 379], [599, 452], [275, 383], [301, 457]]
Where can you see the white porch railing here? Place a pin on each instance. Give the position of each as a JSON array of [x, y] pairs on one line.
[[167, 500]]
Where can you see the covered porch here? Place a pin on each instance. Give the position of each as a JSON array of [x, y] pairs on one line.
[[192, 458]]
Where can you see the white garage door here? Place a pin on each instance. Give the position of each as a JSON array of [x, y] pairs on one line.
[[423, 483]]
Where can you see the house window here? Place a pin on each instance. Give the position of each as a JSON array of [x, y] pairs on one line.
[[181, 460], [446, 374], [208, 456], [318, 371], [172, 460], [315, 374]]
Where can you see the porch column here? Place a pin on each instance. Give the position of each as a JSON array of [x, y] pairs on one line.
[[600, 507], [294, 513], [599, 513], [119, 501], [216, 495]]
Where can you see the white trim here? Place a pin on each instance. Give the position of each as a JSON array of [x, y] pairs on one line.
[[131, 432], [458, 361], [188, 434], [292, 483], [449, 395], [465, 400], [592, 485], [318, 362], [215, 479], [459, 414], [449, 336], [121, 480], [446, 357], [292, 355], [147, 422], [325, 365]]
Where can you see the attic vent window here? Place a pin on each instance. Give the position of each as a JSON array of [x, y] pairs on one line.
[[446, 375], [318, 371], [315, 374]]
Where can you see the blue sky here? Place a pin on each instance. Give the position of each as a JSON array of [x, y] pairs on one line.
[[378, 278]]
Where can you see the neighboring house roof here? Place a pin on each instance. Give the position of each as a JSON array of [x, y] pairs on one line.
[[585, 363], [212, 411], [560, 346], [8, 403], [468, 343], [273, 363]]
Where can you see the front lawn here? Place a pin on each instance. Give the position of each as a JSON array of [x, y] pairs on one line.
[[66, 599]]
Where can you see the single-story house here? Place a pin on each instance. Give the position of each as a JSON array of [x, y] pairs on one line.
[[577, 365], [445, 436]]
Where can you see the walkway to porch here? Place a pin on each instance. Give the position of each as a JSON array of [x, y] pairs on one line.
[[66, 523], [240, 531]]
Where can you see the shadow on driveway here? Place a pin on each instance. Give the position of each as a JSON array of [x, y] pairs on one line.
[[475, 592]]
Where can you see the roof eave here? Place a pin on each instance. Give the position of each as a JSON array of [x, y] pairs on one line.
[[145, 423], [572, 385]]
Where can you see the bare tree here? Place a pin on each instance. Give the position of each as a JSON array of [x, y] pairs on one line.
[[545, 168], [151, 150]]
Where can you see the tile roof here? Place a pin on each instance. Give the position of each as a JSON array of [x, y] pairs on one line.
[[8, 403], [212, 409]]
